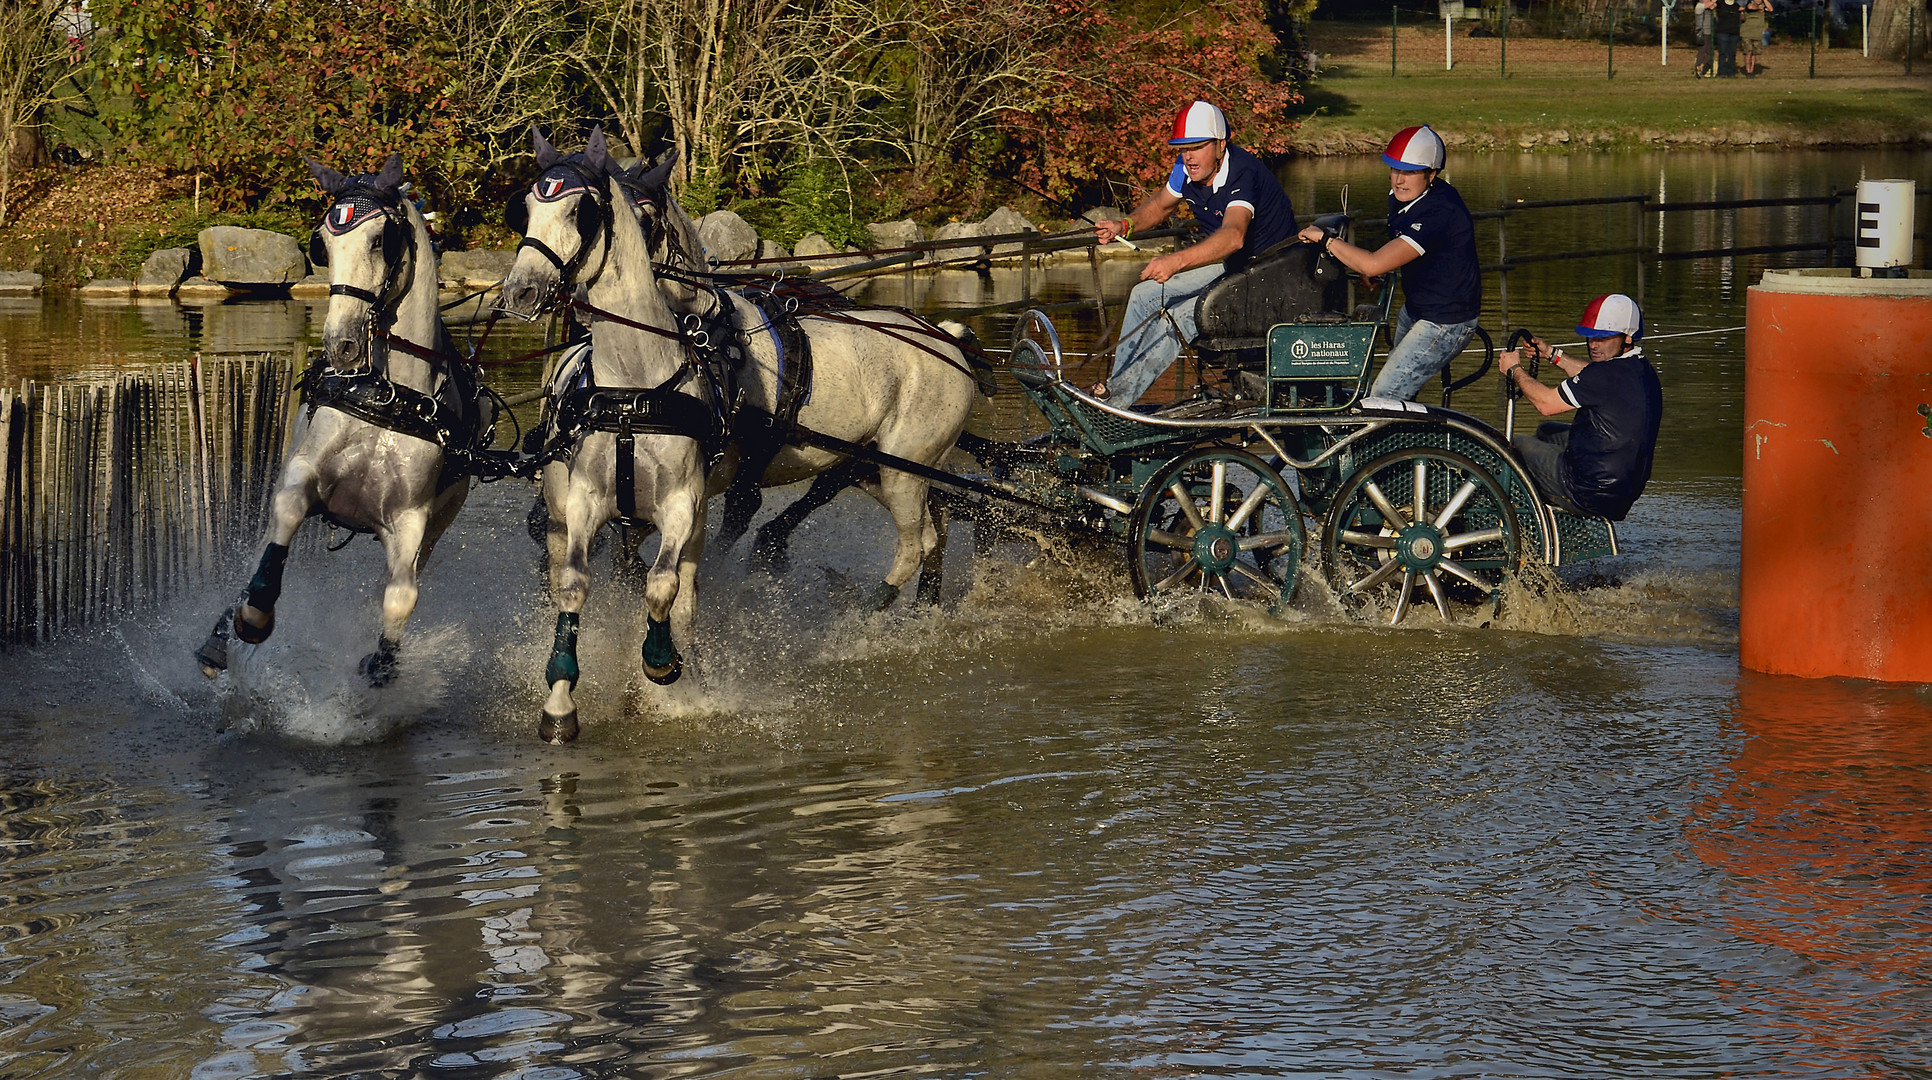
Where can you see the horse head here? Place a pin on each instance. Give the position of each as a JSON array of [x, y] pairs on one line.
[[669, 232], [565, 219], [367, 240]]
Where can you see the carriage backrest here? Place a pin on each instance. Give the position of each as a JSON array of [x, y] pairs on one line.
[[1281, 285]]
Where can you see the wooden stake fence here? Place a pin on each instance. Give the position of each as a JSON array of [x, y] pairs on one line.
[[122, 493]]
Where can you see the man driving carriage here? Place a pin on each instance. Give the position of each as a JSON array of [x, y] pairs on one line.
[[1432, 240], [1599, 463], [1232, 194]]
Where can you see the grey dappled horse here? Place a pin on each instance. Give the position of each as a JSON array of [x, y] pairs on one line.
[[683, 274], [869, 388], [386, 397]]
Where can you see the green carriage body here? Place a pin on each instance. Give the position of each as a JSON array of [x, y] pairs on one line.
[[1306, 414]]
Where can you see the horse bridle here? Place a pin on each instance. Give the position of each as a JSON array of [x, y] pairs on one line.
[[593, 214], [351, 208]]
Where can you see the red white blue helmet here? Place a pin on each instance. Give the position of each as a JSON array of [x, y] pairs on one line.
[[1613, 313], [1199, 122], [1414, 149]]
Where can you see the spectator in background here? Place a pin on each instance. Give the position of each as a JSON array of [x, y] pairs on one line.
[[1705, 42], [1757, 27], [1728, 20]]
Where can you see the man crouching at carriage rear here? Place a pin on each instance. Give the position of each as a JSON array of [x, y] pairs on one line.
[[1599, 464], [1232, 194]]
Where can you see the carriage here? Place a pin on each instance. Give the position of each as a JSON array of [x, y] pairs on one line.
[[1413, 504]]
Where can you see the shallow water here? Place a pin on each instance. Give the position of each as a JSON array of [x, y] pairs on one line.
[[1046, 831]]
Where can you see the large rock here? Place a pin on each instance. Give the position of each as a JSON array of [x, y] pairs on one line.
[[165, 269], [475, 269], [888, 235], [727, 237], [1004, 222], [956, 230], [19, 282], [200, 288], [107, 289], [251, 258]]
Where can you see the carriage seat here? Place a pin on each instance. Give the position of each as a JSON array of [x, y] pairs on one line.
[[1282, 284]]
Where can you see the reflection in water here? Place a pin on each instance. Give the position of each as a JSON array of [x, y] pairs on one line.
[[1824, 834]]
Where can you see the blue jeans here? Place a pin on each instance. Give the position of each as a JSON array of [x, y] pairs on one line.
[[1149, 342], [1422, 348]]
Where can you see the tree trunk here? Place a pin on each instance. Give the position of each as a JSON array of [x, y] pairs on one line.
[[1892, 21]]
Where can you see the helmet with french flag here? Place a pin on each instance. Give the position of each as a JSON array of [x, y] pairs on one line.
[[1416, 148], [1199, 122], [1613, 313]]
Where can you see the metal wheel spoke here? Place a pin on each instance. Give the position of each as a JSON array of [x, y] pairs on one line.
[[1436, 594], [1421, 489], [1265, 540], [1402, 602], [1171, 540], [1463, 540], [1222, 580], [1463, 572], [1394, 517], [1187, 569], [1382, 573], [1217, 492], [1188, 509], [1253, 575], [1254, 499], [1455, 504], [1362, 539]]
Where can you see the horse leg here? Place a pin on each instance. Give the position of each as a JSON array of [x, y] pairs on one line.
[[745, 495], [771, 551], [566, 535], [933, 563], [255, 615], [671, 588], [904, 497], [403, 543]]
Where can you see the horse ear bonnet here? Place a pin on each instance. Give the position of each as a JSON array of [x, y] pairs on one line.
[[356, 204], [516, 212]]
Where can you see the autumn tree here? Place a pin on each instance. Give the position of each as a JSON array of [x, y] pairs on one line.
[[239, 90], [40, 42], [1106, 128]]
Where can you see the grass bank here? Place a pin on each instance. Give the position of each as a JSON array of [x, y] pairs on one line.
[[1564, 95]]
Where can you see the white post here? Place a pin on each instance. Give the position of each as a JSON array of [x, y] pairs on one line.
[[1663, 36], [1865, 19], [1448, 42]]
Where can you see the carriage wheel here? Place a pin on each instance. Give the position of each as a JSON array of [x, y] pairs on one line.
[[1418, 526], [1217, 520]]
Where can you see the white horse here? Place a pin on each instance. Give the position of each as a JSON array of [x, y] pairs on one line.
[[869, 387], [683, 275], [386, 399]]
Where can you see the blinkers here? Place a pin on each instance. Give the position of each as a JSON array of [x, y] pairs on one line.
[[558, 182]]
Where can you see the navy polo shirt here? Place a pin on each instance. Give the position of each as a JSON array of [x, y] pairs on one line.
[[1242, 181], [1444, 284], [1620, 405]]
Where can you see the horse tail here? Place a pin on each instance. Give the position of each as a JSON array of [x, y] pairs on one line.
[[981, 364]]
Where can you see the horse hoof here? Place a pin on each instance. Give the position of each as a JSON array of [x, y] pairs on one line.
[[665, 676], [213, 654], [379, 667], [558, 730], [771, 560], [883, 595], [248, 629]]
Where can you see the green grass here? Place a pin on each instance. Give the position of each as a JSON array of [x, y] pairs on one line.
[[1852, 102]]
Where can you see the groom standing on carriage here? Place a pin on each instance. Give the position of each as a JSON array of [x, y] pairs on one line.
[[1235, 197]]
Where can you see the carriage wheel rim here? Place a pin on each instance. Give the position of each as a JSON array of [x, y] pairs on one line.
[[1220, 521]]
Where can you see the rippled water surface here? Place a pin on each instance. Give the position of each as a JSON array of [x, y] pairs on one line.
[[1046, 831]]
